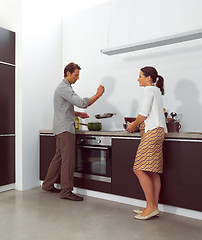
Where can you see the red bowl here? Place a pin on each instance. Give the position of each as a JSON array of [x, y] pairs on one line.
[[129, 119]]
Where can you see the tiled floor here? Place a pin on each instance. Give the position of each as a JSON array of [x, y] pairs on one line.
[[37, 215]]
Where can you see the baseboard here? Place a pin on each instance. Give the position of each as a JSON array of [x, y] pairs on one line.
[[7, 187], [140, 203]]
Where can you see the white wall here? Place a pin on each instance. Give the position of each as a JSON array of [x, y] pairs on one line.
[[122, 22], [40, 59], [39, 69], [41, 64], [38, 27], [42, 71]]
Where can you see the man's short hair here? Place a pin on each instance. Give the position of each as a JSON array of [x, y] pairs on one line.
[[71, 67]]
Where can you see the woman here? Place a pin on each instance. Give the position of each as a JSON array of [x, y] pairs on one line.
[[149, 157]]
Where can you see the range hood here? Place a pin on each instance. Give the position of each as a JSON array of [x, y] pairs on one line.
[[168, 40]]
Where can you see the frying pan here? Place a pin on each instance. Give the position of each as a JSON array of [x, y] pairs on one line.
[[93, 126], [104, 115]]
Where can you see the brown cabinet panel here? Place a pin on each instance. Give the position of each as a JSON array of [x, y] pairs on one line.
[[92, 185], [124, 181], [181, 180], [7, 99], [7, 106], [7, 46], [47, 152], [7, 160]]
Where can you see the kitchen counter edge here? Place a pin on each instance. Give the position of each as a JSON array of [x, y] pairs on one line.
[[174, 135]]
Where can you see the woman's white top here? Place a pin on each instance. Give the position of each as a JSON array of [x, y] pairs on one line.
[[152, 108]]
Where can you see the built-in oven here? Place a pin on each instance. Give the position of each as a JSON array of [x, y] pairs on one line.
[[94, 158]]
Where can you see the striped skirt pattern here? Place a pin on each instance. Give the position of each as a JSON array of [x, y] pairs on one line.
[[149, 156]]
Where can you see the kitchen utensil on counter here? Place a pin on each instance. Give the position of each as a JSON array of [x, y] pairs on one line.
[[170, 119], [178, 117], [93, 126], [125, 125], [76, 122], [129, 119], [104, 115], [173, 123], [165, 113], [173, 126], [173, 114]]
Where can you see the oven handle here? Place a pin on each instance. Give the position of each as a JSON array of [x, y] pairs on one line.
[[93, 147]]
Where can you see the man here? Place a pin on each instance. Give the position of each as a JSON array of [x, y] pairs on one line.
[[63, 163]]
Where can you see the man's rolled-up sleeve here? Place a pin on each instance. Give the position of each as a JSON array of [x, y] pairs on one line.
[[69, 95]]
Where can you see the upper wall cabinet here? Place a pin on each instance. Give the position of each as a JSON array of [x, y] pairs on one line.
[[7, 46]]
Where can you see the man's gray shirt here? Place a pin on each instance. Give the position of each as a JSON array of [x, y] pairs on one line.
[[64, 100]]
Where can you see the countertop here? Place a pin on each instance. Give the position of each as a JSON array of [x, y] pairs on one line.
[[173, 135]]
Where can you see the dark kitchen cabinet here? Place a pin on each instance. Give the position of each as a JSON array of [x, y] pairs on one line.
[[7, 160], [7, 106], [181, 180], [7, 46], [7, 99], [124, 181], [47, 152]]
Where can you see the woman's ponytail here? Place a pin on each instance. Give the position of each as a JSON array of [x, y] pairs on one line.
[[160, 83], [152, 72]]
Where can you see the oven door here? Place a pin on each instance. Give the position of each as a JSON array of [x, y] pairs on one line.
[[93, 161]]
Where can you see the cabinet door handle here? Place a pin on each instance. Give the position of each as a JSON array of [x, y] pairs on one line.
[[93, 147], [7, 135]]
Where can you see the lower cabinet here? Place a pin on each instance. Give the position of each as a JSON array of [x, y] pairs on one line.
[[47, 152], [89, 184], [181, 180], [7, 160], [124, 181]]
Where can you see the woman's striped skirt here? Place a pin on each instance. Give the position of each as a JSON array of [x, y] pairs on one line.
[[149, 156]]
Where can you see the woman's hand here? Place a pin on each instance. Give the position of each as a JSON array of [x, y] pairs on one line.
[[130, 127]]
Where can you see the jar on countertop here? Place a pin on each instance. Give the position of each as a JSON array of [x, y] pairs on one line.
[[76, 122]]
